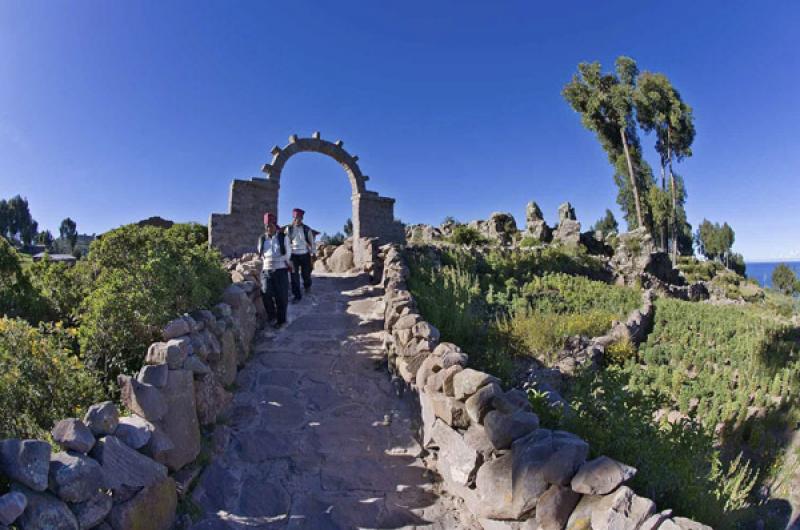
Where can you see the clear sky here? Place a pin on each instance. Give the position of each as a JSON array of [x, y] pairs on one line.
[[111, 111]]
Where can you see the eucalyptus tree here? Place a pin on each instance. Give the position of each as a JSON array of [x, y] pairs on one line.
[[660, 108], [606, 105], [68, 231]]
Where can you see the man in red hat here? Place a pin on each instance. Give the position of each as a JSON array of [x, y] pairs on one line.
[[275, 252], [304, 251]]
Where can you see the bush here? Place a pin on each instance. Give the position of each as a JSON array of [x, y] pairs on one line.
[[466, 235], [142, 277], [18, 298], [61, 287], [41, 381]]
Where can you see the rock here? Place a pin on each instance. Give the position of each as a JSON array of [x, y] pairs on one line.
[[93, 511], [225, 369], [494, 485], [428, 417], [221, 311], [450, 410], [196, 365], [476, 438], [26, 461], [145, 400], [72, 435], [426, 331], [153, 508], [159, 445], [214, 346], [124, 467], [569, 453], [210, 398], [468, 381], [581, 517], [621, 510], [102, 418], [178, 327], [341, 260], [502, 429], [442, 381], [180, 422], [555, 506], [430, 365], [11, 506], [407, 321], [458, 462], [535, 226], [200, 346], [480, 403], [154, 374], [134, 431], [518, 399], [568, 232], [44, 512], [601, 475], [172, 353], [75, 477]]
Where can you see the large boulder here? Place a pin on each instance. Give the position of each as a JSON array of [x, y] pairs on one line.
[[180, 422], [635, 254], [26, 461], [622, 510], [44, 512], [73, 435], [153, 508], [555, 506], [341, 260], [502, 429], [225, 369]]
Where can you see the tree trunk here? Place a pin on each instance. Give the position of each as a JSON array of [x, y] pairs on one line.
[[634, 187], [674, 201]]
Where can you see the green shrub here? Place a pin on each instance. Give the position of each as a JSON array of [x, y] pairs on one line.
[[466, 235], [620, 352], [18, 298], [61, 287], [142, 277], [678, 464], [41, 381]]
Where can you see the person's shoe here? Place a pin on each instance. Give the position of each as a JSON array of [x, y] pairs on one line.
[[280, 325]]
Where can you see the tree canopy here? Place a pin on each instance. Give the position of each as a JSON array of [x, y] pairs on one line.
[[785, 280]]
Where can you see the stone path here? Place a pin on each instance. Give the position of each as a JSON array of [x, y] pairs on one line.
[[318, 437]]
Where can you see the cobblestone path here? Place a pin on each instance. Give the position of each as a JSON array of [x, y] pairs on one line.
[[318, 437]]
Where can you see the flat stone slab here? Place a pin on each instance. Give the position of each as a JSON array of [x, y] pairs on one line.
[[315, 429]]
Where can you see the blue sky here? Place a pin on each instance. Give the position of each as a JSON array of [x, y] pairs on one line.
[[111, 112]]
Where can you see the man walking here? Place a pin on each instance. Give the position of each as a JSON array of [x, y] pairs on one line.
[[303, 251], [275, 252]]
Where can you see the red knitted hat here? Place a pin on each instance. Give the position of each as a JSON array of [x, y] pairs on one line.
[[270, 218]]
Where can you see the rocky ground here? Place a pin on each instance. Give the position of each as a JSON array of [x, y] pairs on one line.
[[316, 436]]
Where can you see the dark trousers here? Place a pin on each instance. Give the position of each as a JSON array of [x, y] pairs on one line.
[[302, 266], [275, 293]]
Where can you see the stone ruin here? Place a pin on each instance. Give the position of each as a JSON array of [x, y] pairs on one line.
[[236, 232]]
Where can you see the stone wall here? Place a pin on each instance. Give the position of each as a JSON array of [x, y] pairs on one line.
[[487, 445], [127, 472]]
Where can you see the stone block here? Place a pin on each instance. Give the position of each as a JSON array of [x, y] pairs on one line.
[[145, 400], [180, 422], [73, 435], [44, 511], [75, 477], [102, 418], [469, 381], [601, 475], [153, 508], [26, 461], [503, 429]]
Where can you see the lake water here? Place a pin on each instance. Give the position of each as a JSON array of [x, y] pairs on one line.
[[762, 271]]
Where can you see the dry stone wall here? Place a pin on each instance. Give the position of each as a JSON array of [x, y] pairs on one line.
[[109, 471], [487, 444]]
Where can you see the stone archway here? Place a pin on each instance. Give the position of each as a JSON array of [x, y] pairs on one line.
[[237, 231]]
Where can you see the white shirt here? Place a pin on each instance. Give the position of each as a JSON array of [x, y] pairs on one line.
[[271, 252], [299, 242]]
